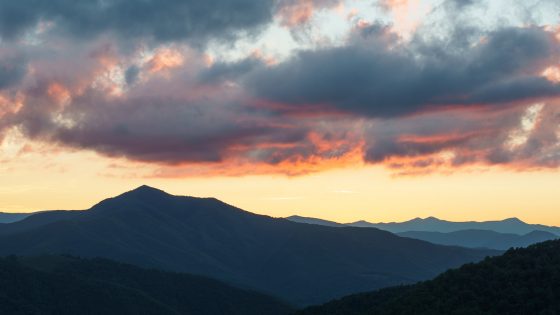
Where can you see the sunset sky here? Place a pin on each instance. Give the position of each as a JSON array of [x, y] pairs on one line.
[[340, 109]]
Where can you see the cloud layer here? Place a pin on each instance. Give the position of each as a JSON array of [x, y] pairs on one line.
[[141, 81]]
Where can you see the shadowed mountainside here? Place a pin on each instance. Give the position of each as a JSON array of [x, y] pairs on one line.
[[301, 263], [522, 281], [481, 238], [67, 285], [6, 217], [308, 220]]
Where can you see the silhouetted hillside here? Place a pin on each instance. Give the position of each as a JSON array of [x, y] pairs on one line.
[[6, 217], [64, 285], [301, 263], [36, 220], [481, 238], [522, 281], [308, 220]]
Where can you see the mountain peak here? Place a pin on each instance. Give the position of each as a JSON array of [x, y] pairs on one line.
[[146, 188], [513, 220], [145, 192], [432, 219]]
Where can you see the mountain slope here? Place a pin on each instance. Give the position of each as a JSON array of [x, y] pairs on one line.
[[301, 263], [36, 220], [522, 281], [6, 217], [308, 220], [66, 285], [481, 238], [431, 224]]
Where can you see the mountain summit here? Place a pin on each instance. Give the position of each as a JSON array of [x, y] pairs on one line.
[[301, 263], [144, 192]]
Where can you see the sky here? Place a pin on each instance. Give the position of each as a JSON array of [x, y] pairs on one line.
[[340, 109]]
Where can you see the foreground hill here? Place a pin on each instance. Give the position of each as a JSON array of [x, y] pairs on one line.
[[65, 285], [482, 238], [301, 263], [522, 281]]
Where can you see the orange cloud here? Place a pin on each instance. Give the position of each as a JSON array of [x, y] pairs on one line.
[[10, 105], [165, 59], [297, 13], [294, 13], [60, 94], [407, 15], [552, 73], [295, 166]]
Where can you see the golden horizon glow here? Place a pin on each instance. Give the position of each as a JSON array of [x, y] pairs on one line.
[[340, 110], [77, 180]]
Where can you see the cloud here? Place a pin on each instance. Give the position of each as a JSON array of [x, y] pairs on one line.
[[294, 13], [464, 97], [166, 107], [222, 71], [168, 20], [375, 75], [12, 69], [521, 138]]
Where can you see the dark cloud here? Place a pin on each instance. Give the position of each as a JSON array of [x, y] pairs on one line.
[[382, 149], [223, 71], [159, 128], [161, 20], [527, 137], [131, 74], [377, 76], [12, 70]]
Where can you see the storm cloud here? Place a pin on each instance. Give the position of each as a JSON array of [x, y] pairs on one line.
[[161, 20], [12, 69], [376, 76]]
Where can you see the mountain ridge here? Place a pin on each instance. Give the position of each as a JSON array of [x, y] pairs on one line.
[[481, 238], [303, 264], [71, 285], [521, 281], [432, 224]]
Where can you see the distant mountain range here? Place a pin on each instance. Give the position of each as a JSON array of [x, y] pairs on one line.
[[66, 285], [489, 234], [303, 264], [431, 224], [522, 281]]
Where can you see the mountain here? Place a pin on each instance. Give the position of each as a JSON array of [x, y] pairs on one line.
[[431, 224], [473, 238], [36, 220], [481, 238], [67, 285], [6, 217], [308, 220], [522, 281], [301, 263]]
